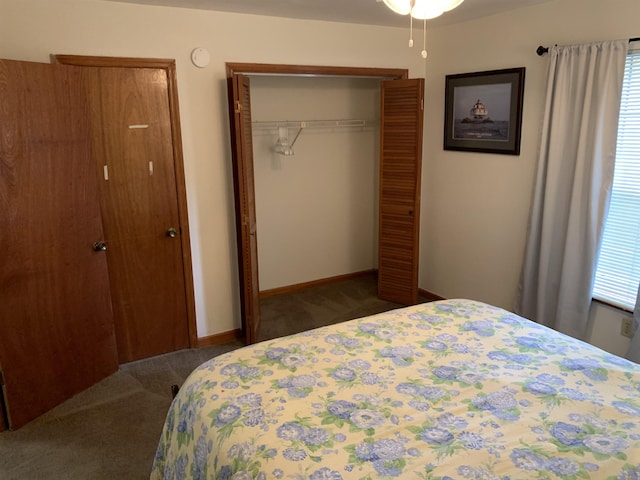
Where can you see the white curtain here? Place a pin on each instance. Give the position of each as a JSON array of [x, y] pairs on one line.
[[573, 184], [634, 349]]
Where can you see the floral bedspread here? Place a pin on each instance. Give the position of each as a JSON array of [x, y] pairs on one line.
[[445, 390]]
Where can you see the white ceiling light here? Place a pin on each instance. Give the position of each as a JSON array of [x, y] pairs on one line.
[[421, 10]]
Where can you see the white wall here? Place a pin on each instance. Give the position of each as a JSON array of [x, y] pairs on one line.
[[476, 206], [316, 210], [34, 29], [606, 325]]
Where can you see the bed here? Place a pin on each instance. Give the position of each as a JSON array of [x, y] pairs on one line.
[[454, 389]]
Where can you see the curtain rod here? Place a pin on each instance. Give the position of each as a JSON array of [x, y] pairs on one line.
[[542, 50]]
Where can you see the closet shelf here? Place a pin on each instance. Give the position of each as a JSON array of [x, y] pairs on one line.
[[284, 146], [312, 123]]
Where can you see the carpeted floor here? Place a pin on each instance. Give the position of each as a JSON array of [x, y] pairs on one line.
[[106, 432], [318, 306], [110, 431]]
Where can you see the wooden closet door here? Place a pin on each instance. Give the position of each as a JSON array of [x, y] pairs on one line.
[[56, 325], [245, 202], [401, 121], [138, 196]]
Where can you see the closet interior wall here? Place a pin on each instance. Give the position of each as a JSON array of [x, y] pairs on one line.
[[317, 209]]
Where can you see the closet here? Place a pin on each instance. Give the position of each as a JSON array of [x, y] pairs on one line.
[[93, 227], [315, 176], [400, 151]]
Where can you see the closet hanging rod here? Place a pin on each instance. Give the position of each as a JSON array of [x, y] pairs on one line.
[[313, 123]]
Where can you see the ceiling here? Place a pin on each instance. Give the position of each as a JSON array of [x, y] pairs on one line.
[[369, 12]]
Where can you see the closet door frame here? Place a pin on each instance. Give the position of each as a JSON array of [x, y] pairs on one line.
[[243, 179]]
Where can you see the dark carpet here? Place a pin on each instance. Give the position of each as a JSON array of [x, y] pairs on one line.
[[321, 305], [111, 430]]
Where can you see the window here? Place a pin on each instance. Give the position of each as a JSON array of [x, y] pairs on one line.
[[618, 271]]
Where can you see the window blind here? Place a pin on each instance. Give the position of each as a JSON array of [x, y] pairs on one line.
[[618, 271]]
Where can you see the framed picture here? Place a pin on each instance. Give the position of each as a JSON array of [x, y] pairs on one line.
[[483, 111]]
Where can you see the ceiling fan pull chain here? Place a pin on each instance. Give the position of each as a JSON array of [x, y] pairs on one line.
[[410, 31], [424, 43]]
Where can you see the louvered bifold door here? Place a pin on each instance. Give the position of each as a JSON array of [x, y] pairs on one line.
[[400, 177], [245, 202]]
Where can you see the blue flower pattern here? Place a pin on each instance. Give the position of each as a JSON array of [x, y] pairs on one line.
[[446, 390]]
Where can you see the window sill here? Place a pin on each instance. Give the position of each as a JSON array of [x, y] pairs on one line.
[[611, 305]]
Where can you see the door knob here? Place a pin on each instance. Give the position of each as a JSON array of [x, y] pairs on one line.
[[99, 246], [172, 232]]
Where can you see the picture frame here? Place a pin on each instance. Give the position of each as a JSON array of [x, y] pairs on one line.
[[483, 111]]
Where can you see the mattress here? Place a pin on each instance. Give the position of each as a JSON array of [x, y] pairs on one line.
[[454, 389]]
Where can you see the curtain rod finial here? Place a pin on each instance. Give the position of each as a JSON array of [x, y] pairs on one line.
[[542, 50]]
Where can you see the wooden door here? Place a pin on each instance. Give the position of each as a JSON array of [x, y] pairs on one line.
[[138, 197], [401, 121], [56, 325], [245, 202], [3, 413]]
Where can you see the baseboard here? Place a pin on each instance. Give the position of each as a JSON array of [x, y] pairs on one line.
[[431, 297], [314, 283], [220, 338], [226, 337]]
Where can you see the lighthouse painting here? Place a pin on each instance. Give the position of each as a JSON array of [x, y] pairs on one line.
[[483, 111]]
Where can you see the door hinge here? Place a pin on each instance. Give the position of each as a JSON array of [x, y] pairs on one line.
[[238, 107], [422, 104]]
